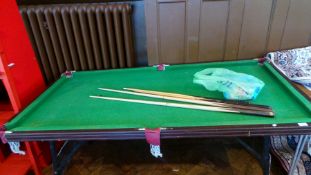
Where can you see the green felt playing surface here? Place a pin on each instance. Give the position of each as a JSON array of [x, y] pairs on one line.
[[67, 106]]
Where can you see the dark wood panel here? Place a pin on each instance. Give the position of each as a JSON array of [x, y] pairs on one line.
[[171, 28], [297, 31], [278, 22], [193, 24], [152, 31], [234, 29], [213, 24], [255, 28]]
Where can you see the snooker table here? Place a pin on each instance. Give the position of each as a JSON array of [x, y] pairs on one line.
[[66, 112]]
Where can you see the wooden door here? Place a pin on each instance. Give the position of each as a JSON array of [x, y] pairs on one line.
[[290, 25], [166, 30], [183, 31]]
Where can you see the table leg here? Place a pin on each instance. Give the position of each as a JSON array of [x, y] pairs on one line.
[[301, 143], [265, 156], [53, 157], [61, 158], [262, 154]]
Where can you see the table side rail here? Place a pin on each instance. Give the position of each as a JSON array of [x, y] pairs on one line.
[[286, 82], [184, 132]]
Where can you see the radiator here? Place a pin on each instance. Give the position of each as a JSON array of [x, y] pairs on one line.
[[80, 37]]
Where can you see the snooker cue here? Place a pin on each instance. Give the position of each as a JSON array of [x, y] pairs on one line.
[[218, 102], [201, 102], [197, 98], [188, 106]]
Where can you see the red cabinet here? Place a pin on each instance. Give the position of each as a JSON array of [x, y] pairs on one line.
[[20, 61], [20, 82]]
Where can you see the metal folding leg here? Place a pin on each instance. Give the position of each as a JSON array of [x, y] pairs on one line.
[[61, 158], [265, 160], [301, 143], [263, 155]]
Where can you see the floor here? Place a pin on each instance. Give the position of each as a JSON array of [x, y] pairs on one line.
[[184, 156]]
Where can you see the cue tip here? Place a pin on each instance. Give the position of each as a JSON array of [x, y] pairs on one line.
[[93, 96], [269, 114]]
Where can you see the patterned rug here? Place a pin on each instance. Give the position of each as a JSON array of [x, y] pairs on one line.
[[294, 63], [283, 148]]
